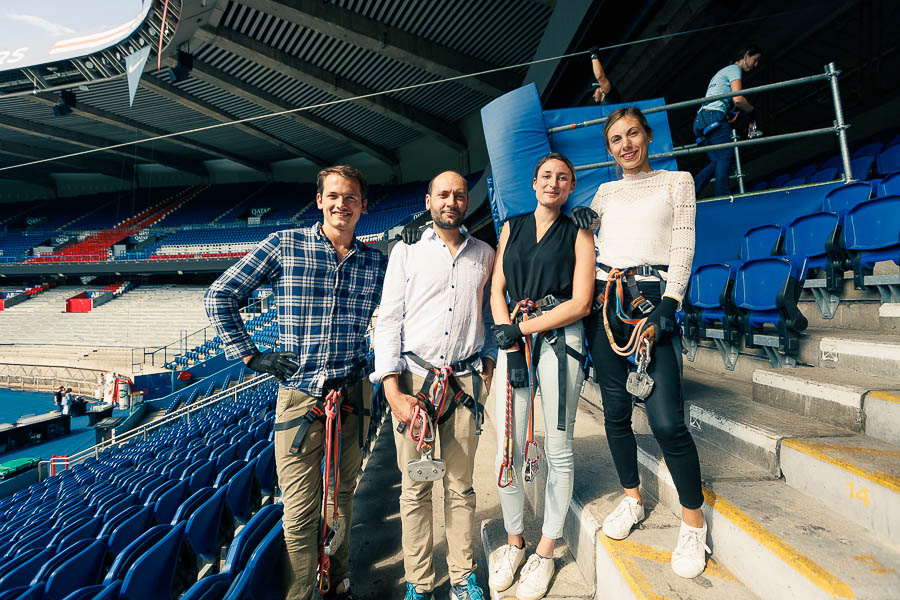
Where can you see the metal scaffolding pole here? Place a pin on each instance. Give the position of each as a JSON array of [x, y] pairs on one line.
[[841, 127]]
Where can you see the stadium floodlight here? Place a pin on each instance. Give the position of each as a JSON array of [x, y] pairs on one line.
[[182, 68], [67, 102]]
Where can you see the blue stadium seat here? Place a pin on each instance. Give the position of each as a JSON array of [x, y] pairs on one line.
[[203, 530], [255, 581], [861, 166], [845, 197], [129, 529], [59, 557], [265, 471], [192, 502], [889, 160], [168, 502], [872, 234], [73, 532], [80, 570], [228, 472], [709, 301], [766, 291], [824, 174], [836, 161], [817, 237], [150, 576], [133, 551], [238, 494], [870, 149], [764, 240], [779, 180], [795, 181], [805, 172], [212, 587], [890, 185]]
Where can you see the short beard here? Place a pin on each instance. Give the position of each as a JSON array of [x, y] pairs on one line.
[[441, 224]]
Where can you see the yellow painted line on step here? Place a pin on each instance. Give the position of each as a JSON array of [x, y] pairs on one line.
[[886, 396], [820, 451], [801, 563], [637, 581], [638, 550]]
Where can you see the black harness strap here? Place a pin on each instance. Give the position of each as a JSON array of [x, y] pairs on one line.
[[459, 396]]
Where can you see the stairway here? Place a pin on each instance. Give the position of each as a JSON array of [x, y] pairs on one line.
[[801, 472]]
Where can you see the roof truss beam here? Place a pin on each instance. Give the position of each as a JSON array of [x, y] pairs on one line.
[[84, 140], [282, 62], [356, 29], [230, 83], [170, 92], [103, 116]]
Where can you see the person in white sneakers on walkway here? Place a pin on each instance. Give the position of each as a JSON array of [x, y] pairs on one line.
[[645, 242], [435, 358], [545, 265]]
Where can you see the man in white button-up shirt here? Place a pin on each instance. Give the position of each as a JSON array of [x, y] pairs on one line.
[[434, 314]]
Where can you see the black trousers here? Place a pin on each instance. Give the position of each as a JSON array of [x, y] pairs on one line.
[[665, 409]]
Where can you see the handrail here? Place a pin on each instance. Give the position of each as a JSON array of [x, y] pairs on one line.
[[185, 411]]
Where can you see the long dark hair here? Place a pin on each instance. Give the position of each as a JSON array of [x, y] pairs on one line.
[[751, 49]]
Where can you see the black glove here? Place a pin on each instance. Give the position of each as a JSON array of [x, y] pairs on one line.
[[662, 318], [410, 234], [507, 336], [280, 364], [594, 52], [583, 216], [517, 369]]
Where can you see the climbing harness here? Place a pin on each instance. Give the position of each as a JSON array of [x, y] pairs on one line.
[[530, 464], [637, 347], [330, 538]]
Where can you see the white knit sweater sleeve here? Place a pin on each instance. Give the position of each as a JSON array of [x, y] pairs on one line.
[[681, 249]]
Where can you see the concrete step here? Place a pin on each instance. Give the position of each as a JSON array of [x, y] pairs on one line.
[[780, 542], [567, 584], [868, 315], [721, 412], [849, 350], [636, 568], [858, 477], [831, 396]]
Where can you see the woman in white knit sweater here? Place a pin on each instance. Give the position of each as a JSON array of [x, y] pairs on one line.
[[644, 225]]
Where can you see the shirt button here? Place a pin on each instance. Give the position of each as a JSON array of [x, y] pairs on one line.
[[442, 356], [446, 333], [450, 309]]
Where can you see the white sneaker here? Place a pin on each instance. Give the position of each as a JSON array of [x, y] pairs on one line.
[[689, 556], [535, 578], [503, 564], [620, 521]]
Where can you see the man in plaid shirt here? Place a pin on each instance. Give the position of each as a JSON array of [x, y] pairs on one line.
[[327, 285]]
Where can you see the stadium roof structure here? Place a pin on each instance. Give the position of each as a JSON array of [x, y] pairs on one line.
[[252, 57]]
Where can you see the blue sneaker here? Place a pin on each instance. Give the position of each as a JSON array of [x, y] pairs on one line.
[[412, 594], [468, 591]]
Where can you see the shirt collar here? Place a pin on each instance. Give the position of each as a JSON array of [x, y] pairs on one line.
[[320, 235], [430, 233]]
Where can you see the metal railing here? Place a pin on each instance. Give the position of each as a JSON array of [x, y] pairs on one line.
[[48, 466], [48, 377], [839, 127]]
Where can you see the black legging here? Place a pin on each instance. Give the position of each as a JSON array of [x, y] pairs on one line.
[[665, 409]]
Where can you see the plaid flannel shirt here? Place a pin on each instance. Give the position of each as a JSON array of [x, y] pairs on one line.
[[324, 306]]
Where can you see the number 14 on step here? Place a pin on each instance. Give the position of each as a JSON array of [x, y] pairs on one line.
[[861, 494]]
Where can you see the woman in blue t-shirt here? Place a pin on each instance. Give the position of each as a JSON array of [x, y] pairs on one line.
[[712, 119]]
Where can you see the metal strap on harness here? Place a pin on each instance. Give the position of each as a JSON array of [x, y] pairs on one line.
[[638, 300]]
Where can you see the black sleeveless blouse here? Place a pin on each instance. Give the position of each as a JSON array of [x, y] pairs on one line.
[[535, 269]]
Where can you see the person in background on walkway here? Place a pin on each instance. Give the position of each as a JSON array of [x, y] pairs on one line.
[[711, 126], [433, 327], [645, 232], [327, 284], [58, 396], [546, 267], [604, 92], [67, 400]]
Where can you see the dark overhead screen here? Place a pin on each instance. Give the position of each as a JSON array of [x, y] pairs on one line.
[[34, 32]]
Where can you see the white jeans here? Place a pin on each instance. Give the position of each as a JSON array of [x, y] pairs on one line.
[[558, 449]]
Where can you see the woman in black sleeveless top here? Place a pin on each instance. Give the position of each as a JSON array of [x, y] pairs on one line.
[[544, 258]]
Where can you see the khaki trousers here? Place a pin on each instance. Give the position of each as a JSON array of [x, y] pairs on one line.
[[300, 480], [456, 445]]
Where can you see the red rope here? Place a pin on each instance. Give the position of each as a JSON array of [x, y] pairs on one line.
[[332, 451], [162, 29]]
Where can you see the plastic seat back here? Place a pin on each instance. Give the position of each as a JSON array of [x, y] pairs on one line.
[[79, 530], [126, 558], [872, 230], [764, 240], [58, 558], [187, 508], [80, 570], [250, 536], [890, 185], [265, 470], [238, 492], [779, 180], [860, 166], [708, 283], [228, 472], [804, 172], [150, 576], [845, 197], [212, 587], [889, 159], [824, 174], [164, 508], [226, 456], [758, 282], [255, 581], [129, 529], [203, 526], [809, 234]]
